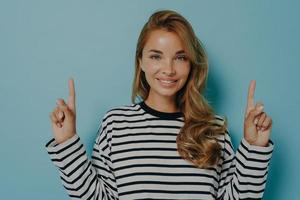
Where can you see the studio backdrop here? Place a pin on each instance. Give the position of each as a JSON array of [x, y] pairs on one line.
[[44, 43]]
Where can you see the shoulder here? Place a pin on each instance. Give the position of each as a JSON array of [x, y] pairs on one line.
[[117, 112], [113, 116], [219, 120], [123, 108]]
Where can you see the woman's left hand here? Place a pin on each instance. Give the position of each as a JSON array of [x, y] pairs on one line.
[[257, 125]]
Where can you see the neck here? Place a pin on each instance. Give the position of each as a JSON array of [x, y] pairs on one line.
[[163, 104]]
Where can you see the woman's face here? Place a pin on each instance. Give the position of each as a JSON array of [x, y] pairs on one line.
[[165, 63]]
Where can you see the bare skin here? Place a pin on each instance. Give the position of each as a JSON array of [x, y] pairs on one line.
[[63, 117], [257, 124], [164, 59]]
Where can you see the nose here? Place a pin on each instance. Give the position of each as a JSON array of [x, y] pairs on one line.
[[168, 68]]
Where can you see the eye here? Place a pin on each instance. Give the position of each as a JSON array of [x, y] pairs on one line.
[[155, 57], [181, 58]]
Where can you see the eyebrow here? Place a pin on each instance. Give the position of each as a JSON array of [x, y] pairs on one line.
[[160, 52]]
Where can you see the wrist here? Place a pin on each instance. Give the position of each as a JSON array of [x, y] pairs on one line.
[[258, 143]]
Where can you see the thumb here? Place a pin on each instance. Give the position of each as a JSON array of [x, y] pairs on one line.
[[64, 107], [259, 108]]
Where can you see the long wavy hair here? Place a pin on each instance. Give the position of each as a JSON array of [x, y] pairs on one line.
[[197, 140]]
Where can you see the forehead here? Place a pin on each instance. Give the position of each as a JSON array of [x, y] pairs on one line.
[[164, 41]]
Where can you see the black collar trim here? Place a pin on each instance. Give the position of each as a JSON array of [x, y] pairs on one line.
[[163, 115]]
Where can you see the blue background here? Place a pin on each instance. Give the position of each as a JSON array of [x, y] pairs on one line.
[[43, 43]]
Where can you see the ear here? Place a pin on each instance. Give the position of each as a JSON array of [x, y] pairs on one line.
[[140, 64]]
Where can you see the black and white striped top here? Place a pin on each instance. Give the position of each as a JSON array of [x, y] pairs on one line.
[[135, 157]]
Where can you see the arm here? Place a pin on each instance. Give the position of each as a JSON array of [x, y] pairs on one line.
[[82, 178], [244, 173]]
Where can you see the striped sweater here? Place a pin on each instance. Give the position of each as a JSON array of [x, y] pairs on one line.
[[135, 157]]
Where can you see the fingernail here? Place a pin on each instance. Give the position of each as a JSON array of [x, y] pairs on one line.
[[255, 121], [60, 114]]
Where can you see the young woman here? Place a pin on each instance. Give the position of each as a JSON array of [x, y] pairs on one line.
[[171, 144]]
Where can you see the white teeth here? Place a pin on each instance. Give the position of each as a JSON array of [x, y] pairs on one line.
[[164, 81]]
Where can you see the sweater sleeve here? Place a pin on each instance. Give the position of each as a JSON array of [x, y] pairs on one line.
[[244, 173], [84, 178]]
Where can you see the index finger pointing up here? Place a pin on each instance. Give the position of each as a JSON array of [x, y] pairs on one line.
[[250, 99], [71, 100]]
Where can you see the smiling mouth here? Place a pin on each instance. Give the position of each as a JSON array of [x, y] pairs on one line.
[[167, 81]]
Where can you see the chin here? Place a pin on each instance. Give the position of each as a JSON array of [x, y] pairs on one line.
[[166, 93], [165, 90]]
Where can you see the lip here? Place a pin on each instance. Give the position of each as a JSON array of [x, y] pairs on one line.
[[166, 79], [166, 84]]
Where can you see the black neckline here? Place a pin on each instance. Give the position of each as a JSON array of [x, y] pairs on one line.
[[160, 114]]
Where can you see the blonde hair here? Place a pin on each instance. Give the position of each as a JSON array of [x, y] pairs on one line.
[[196, 141]]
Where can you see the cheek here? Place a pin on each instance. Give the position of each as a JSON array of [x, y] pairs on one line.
[[151, 68], [184, 71]]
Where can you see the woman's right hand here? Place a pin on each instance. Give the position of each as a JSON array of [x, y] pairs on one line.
[[63, 117]]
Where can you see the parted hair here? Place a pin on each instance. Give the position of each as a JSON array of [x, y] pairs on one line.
[[197, 140]]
